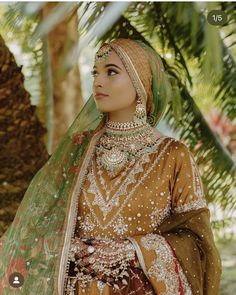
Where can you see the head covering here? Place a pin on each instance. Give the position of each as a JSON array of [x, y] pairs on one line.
[[37, 242], [147, 73]]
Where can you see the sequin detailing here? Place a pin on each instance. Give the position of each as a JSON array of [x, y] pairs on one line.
[[105, 205], [158, 215], [120, 224], [194, 205], [87, 224], [190, 193], [101, 286], [197, 183], [120, 227], [163, 267], [135, 201]]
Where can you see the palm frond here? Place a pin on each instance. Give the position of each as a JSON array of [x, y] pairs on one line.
[[31, 8], [225, 95], [226, 222], [58, 14], [176, 32], [96, 29]]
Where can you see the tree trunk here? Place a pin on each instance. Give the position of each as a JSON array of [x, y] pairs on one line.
[[67, 87], [22, 150]]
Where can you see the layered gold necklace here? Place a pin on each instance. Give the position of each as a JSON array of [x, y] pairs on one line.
[[122, 143]]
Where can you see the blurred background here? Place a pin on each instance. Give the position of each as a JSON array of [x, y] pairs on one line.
[[46, 56]]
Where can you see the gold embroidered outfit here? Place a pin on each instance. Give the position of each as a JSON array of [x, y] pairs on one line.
[[156, 202], [142, 195]]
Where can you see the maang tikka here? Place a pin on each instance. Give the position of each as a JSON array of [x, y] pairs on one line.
[[103, 53]]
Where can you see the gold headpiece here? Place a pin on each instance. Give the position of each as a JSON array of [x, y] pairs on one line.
[[103, 53]]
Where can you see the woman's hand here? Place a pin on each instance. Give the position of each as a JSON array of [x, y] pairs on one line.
[[87, 257]]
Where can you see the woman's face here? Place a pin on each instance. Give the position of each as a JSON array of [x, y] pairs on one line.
[[111, 78]]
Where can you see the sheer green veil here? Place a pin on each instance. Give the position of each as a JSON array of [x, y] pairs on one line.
[[33, 243], [30, 245]]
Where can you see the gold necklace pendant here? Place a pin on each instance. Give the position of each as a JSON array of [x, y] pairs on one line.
[[113, 158], [116, 148]]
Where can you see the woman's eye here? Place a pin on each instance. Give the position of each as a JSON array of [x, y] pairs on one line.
[[110, 70], [93, 73]]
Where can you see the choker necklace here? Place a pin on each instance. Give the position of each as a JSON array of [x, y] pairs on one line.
[[123, 125], [124, 142]]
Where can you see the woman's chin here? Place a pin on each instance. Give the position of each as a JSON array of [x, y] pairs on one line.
[[103, 109]]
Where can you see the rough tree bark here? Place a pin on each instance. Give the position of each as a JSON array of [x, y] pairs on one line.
[[22, 149]]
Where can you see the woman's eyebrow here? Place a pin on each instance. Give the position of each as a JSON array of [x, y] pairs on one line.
[[107, 65]]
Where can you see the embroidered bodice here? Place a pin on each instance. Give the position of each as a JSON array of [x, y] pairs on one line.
[[138, 197]]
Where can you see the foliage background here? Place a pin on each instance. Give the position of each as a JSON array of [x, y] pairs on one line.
[[53, 46]]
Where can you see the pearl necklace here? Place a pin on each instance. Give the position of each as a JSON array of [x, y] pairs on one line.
[[124, 142]]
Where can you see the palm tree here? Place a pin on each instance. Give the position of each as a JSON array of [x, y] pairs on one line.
[[22, 148]]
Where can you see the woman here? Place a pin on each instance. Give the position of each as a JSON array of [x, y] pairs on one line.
[[119, 208]]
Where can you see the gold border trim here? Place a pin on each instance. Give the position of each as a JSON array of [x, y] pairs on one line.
[[70, 219], [131, 71], [139, 254]]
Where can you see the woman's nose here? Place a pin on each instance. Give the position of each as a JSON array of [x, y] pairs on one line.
[[99, 80]]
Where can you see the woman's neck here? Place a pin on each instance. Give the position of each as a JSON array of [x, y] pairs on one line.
[[121, 118], [123, 115]]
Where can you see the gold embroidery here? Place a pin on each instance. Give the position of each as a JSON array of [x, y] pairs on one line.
[[197, 204], [197, 183], [117, 222], [163, 267]]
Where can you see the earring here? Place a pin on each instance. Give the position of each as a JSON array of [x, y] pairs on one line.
[[140, 116]]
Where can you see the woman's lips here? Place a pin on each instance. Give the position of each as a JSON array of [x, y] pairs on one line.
[[100, 95]]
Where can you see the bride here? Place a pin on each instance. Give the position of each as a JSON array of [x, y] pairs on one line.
[[119, 208]]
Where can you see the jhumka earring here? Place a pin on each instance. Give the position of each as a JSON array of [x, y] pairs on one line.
[[140, 116]]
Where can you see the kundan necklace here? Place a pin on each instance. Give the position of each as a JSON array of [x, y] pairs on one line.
[[124, 142]]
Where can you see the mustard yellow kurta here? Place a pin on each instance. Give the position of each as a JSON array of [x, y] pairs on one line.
[[134, 202]]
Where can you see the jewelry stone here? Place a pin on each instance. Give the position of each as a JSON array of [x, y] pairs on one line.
[[91, 249], [124, 142]]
